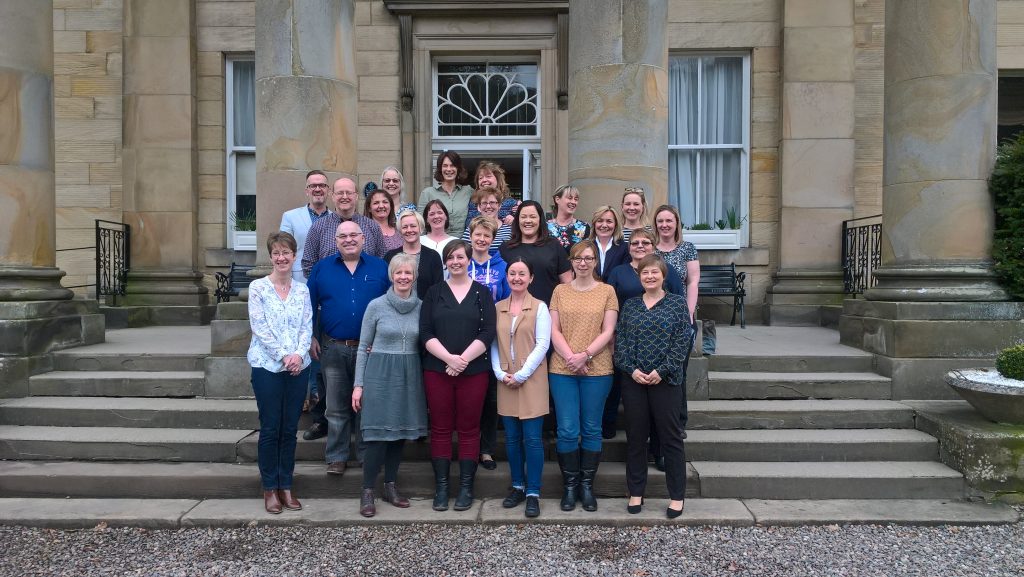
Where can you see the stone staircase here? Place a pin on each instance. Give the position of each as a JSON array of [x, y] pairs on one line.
[[129, 419]]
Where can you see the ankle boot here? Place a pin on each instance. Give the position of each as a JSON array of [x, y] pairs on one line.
[[569, 463], [391, 495], [271, 502], [441, 467], [588, 470], [467, 474]]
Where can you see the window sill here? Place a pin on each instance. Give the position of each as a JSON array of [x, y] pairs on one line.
[[714, 239], [244, 240]]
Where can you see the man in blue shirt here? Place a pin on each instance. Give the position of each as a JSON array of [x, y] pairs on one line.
[[342, 286]]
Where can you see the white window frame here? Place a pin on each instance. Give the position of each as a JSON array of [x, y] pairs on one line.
[[238, 240], [724, 239]]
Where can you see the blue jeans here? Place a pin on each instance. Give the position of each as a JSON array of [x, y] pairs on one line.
[[339, 368], [520, 433], [579, 406], [279, 399]]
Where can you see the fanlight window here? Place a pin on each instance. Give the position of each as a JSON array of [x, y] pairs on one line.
[[492, 99]]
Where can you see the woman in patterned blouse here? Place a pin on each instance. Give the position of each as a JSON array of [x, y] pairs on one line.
[[652, 341], [565, 227], [677, 253], [281, 319]]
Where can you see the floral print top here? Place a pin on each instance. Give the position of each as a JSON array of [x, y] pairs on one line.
[[279, 327], [569, 234], [677, 259]]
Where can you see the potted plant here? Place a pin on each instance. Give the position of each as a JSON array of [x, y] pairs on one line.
[[244, 226], [998, 394], [724, 234]]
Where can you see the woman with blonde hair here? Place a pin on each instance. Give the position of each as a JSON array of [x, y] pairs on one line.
[[393, 183], [564, 226], [634, 211], [606, 232]]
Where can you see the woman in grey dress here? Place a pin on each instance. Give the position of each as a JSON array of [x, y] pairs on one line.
[[388, 388]]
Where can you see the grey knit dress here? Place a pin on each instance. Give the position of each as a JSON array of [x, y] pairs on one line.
[[394, 403]]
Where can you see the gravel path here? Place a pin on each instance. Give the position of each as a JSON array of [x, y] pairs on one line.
[[518, 550]]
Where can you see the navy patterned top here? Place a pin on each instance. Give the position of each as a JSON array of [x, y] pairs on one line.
[[658, 338], [569, 234]]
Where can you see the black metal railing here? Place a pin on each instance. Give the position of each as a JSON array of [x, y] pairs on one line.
[[862, 253], [113, 258]]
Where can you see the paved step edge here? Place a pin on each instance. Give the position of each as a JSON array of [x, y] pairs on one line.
[[187, 513]]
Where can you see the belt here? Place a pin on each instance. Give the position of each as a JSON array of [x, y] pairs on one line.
[[346, 342]]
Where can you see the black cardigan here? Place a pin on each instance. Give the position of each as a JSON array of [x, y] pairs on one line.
[[430, 270], [457, 324]]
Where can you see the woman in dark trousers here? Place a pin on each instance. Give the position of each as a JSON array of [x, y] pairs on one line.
[[457, 326], [652, 342]]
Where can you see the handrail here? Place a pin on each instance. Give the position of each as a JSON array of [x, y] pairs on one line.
[[861, 253]]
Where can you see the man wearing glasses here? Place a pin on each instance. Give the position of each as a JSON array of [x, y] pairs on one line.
[[298, 221], [320, 240], [342, 286]]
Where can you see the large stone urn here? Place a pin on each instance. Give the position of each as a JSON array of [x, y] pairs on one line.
[[996, 397]]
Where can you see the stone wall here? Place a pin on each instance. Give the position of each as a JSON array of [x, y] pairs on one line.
[[869, 43], [87, 76], [379, 135], [1010, 34]]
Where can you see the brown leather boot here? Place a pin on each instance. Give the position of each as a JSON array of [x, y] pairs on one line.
[[289, 502], [366, 506], [271, 502], [391, 495]]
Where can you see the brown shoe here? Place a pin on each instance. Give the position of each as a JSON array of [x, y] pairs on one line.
[[271, 502], [336, 468], [366, 506], [391, 495], [289, 502]]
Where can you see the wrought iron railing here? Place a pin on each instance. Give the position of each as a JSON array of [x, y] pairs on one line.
[[113, 258], [862, 252]]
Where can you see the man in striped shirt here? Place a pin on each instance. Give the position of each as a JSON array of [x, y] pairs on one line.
[[320, 242]]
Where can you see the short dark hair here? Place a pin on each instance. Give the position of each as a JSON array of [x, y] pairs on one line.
[[317, 171], [426, 210], [454, 246], [460, 175], [282, 238]]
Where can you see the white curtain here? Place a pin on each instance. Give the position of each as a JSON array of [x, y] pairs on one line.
[[244, 102], [705, 183]]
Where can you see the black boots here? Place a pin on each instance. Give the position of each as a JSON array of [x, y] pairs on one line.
[[441, 467], [467, 474], [588, 470], [569, 463]]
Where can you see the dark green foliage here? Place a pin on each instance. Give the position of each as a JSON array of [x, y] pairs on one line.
[[702, 226], [1007, 188], [1010, 362]]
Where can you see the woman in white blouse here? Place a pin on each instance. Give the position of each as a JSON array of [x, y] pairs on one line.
[[281, 319]]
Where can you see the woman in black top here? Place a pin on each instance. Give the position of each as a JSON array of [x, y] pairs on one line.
[[429, 270], [532, 243], [457, 326]]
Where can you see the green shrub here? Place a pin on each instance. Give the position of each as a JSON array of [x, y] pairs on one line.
[[1010, 362], [702, 226], [1007, 189]]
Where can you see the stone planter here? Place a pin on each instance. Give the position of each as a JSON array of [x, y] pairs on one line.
[[996, 397], [714, 239]]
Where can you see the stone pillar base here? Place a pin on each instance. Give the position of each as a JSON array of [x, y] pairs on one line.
[[166, 288], [957, 283], [797, 297], [227, 369], [916, 343], [30, 330], [32, 284]]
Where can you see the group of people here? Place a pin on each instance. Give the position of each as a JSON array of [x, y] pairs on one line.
[[471, 305]]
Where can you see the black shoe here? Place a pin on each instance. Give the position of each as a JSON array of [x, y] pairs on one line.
[[441, 467], [672, 513], [659, 463], [589, 460], [515, 497], [317, 431], [635, 509], [532, 507], [569, 463], [607, 434], [467, 475], [488, 463]]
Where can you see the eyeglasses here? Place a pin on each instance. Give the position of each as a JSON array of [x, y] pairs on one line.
[[353, 236], [345, 192], [490, 203], [278, 253], [316, 185], [640, 243], [390, 180], [586, 259]]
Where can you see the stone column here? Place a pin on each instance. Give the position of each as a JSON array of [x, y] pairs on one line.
[[36, 313], [618, 99], [936, 306], [306, 103], [817, 158], [161, 153]]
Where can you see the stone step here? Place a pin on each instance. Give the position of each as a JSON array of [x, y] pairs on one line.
[[235, 481], [757, 385], [714, 479], [241, 414], [227, 513], [853, 363], [118, 384], [75, 360], [231, 445], [831, 480]]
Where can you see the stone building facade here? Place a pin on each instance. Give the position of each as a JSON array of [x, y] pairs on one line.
[[150, 124]]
